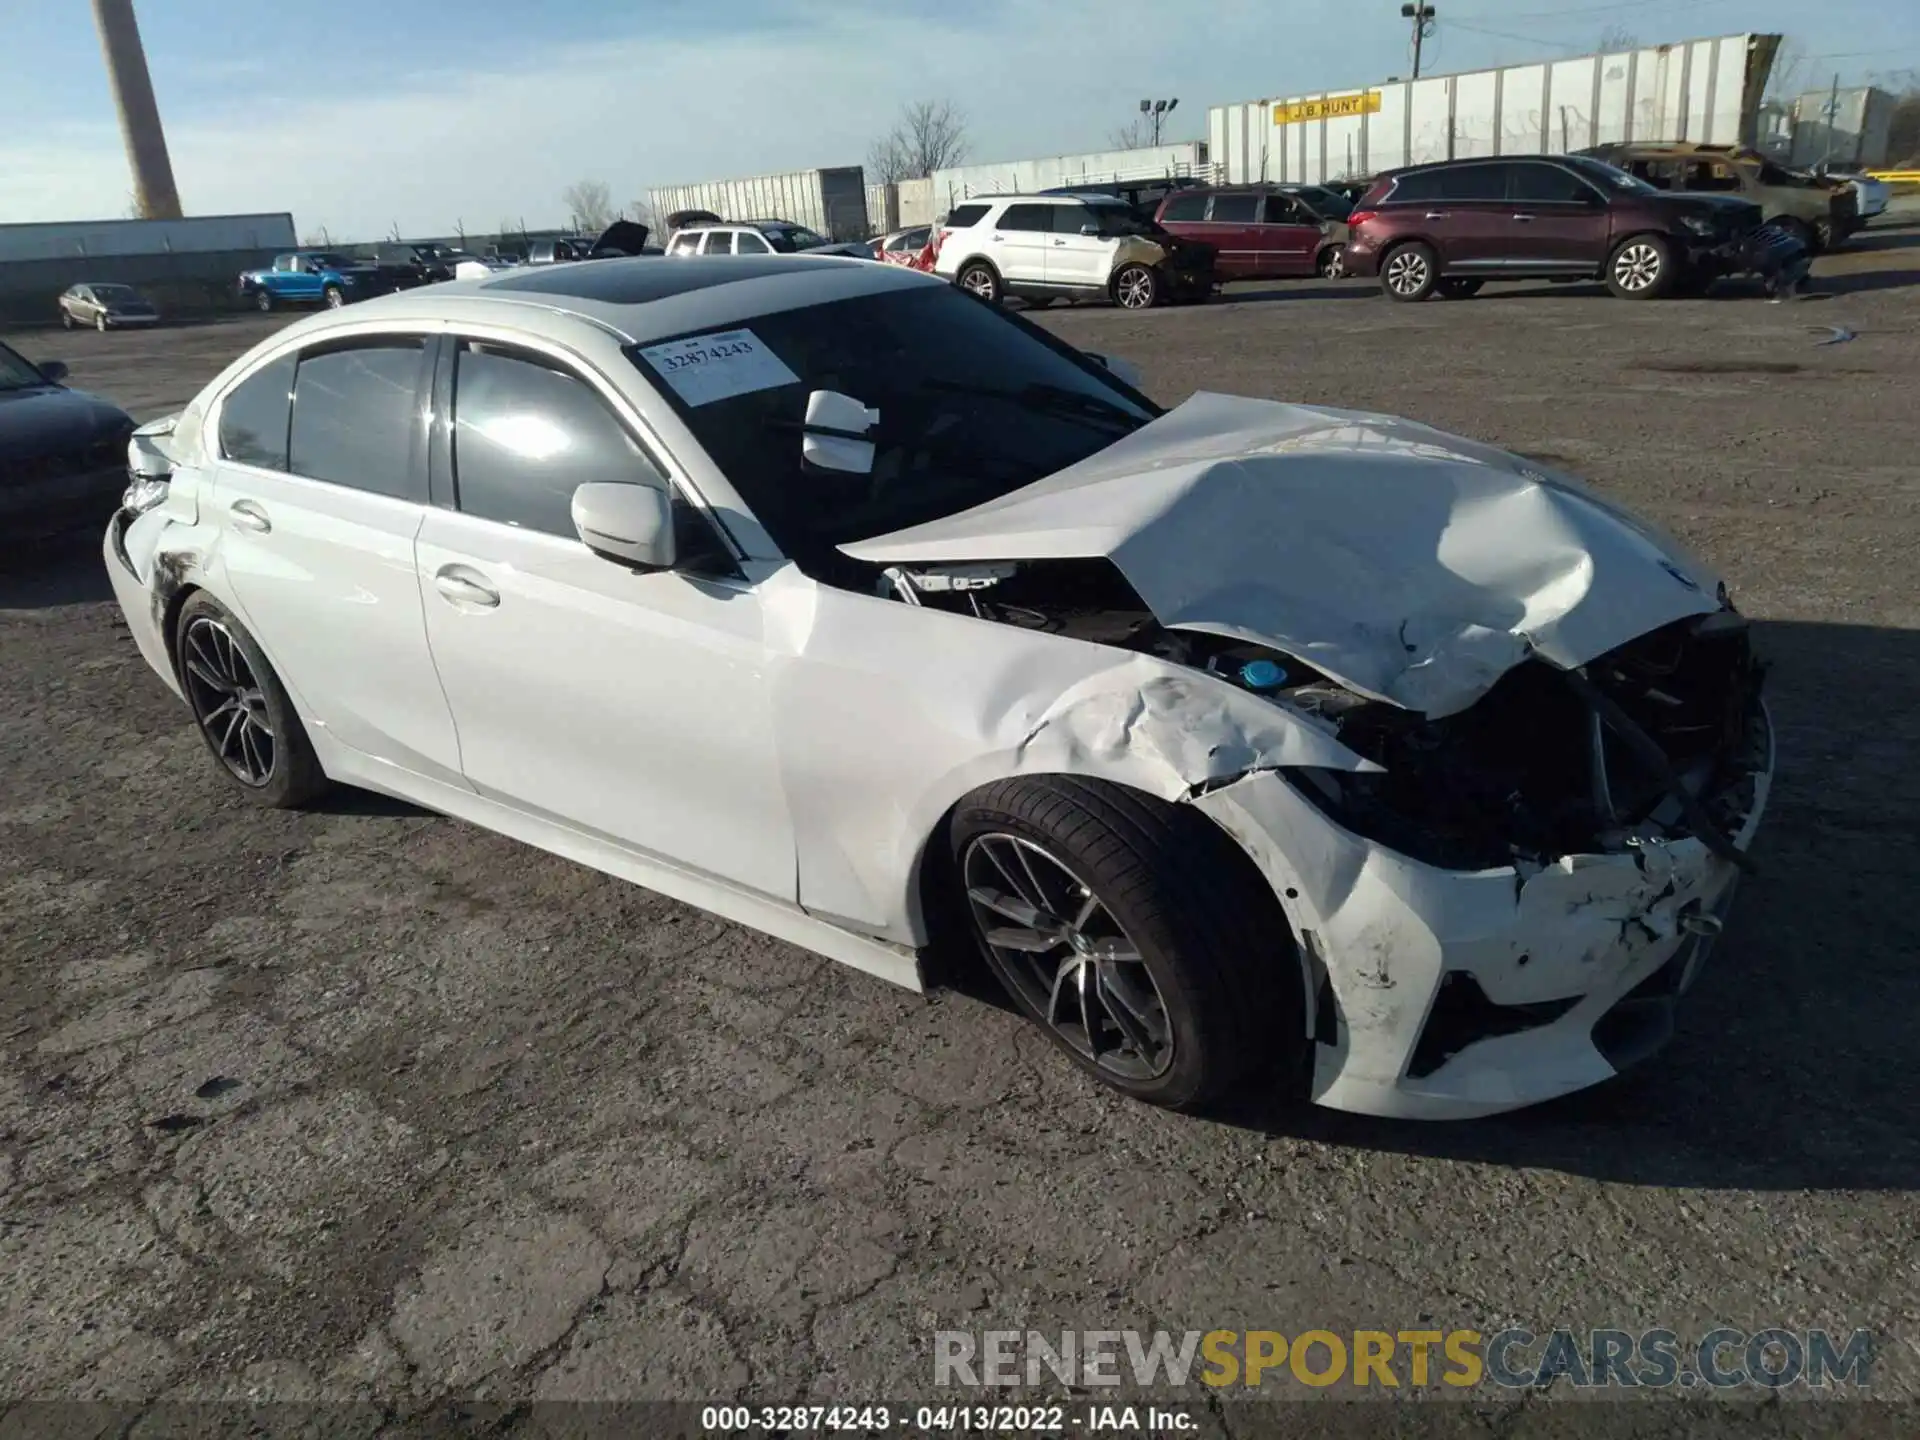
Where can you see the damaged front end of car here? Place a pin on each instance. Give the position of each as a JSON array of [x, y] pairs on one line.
[[1559, 748]]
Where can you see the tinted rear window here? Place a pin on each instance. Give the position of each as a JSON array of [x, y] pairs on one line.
[[1236, 209], [965, 217], [253, 417], [1185, 207]]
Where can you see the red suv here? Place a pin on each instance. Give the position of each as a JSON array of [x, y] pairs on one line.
[[1449, 228], [1262, 232]]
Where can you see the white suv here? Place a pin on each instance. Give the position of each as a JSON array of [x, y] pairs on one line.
[[756, 237], [1044, 248]]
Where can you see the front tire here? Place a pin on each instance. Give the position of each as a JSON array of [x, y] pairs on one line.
[[100, 322], [1136, 287], [981, 280], [1642, 267], [334, 297], [242, 710], [263, 300], [1332, 263], [1409, 273], [1133, 934]]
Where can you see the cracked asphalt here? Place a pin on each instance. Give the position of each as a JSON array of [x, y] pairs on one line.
[[366, 1104]]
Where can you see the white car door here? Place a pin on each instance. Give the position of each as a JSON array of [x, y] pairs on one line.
[[1019, 241], [629, 704], [320, 488], [1073, 258]]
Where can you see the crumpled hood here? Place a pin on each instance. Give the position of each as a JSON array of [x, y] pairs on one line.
[[1411, 565]]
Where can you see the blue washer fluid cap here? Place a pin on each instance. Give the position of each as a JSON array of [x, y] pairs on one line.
[[1262, 675]]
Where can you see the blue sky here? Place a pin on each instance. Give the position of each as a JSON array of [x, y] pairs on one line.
[[428, 112]]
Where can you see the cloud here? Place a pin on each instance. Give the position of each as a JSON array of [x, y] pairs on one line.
[[638, 112]]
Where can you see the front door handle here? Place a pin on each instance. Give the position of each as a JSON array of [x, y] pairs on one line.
[[1059, 242], [1436, 214], [249, 516], [464, 586], [1527, 218]]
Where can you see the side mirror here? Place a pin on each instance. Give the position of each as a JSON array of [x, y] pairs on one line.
[[632, 523], [55, 371], [834, 434], [1089, 229]]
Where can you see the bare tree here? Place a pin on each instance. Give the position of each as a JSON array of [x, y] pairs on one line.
[[321, 239], [589, 205], [1137, 134], [641, 213], [1617, 39], [1789, 72], [930, 135]]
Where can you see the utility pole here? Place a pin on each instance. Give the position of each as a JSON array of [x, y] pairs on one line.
[[1156, 112], [1421, 14]]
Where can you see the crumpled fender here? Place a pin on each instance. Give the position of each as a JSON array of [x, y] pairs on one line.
[[1137, 249], [871, 765]]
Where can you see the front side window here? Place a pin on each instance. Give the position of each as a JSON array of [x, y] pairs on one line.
[[1285, 210], [974, 403], [748, 243], [1185, 207], [254, 416], [528, 433], [357, 417]]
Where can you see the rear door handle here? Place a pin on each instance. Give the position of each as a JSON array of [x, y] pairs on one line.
[[464, 586], [249, 516], [1059, 242], [1436, 214], [1523, 217]]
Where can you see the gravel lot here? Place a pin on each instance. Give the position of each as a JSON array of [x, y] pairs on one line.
[[367, 1104]]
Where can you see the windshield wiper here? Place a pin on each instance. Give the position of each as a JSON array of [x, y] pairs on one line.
[[1050, 400]]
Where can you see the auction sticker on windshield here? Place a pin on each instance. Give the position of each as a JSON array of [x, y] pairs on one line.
[[706, 368]]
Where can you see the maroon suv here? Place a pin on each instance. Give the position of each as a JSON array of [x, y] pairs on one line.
[[1449, 228], [1261, 232]]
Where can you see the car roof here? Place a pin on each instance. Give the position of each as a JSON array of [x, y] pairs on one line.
[[640, 299]]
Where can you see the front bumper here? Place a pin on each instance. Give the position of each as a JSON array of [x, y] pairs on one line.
[[40, 508], [1439, 994], [130, 322]]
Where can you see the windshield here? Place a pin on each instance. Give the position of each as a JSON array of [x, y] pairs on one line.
[[789, 238], [974, 403], [325, 260], [16, 373], [113, 292], [1611, 175]]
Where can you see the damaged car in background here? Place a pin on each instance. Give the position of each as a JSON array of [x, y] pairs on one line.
[[1248, 744]]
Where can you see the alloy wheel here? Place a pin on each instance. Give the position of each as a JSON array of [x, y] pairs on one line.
[[1070, 959], [1335, 265], [1637, 267], [228, 700], [978, 282], [335, 299], [1407, 273], [1136, 289]]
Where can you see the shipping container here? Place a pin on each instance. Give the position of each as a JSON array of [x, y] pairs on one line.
[[1026, 177], [108, 239], [1842, 128], [831, 201], [1701, 90]]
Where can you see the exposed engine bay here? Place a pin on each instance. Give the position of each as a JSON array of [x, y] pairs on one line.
[[1660, 737]]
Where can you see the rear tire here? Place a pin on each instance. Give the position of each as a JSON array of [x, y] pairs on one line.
[[1642, 267], [1459, 289], [1136, 287], [1409, 273], [1153, 937], [241, 709], [980, 279]]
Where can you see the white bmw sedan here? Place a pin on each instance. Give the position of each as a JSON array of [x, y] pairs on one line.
[[1246, 743]]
